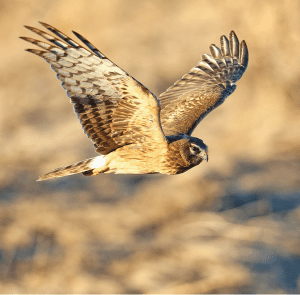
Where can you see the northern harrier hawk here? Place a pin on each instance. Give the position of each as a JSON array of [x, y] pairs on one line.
[[133, 130]]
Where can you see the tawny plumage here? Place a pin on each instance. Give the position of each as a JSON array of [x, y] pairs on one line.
[[132, 130]]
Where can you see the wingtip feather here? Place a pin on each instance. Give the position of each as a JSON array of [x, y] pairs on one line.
[[45, 25], [89, 44], [225, 46], [76, 34], [244, 55], [215, 51], [28, 39], [35, 51], [234, 44], [30, 28]]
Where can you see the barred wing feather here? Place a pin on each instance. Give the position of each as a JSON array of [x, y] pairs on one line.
[[113, 108], [204, 88]]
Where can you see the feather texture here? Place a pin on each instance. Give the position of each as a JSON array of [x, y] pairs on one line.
[[113, 108], [204, 88]]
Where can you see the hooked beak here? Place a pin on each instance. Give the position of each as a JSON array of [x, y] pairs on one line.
[[204, 156]]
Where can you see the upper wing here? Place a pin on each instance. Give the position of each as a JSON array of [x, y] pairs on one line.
[[113, 108], [204, 88]]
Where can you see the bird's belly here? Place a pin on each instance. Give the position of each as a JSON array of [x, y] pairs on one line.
[[134, 161], [126, 160]]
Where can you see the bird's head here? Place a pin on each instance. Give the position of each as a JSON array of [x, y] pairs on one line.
[[195, 151]]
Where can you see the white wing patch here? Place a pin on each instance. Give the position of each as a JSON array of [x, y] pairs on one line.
[[98, 162]]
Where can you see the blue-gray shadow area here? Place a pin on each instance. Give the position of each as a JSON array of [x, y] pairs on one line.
[[278, 203], [274, 268], [280, 271], [276, 192]]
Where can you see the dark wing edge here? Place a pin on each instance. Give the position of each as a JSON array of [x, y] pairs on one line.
[[205, 87], [114, 109]]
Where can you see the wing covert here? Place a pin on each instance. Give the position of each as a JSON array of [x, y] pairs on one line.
[[204, 88], [113, 108]]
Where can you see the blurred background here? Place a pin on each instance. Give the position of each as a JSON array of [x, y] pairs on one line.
[[230, 225]]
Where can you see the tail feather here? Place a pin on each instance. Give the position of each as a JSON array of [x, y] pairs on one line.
[[78, 167]]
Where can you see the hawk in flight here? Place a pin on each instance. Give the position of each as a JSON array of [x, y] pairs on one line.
[[133, 130]]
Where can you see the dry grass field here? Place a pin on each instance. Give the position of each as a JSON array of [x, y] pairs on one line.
[[230, 225]]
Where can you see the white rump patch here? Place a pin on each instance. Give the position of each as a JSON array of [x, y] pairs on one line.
[[98, 162]]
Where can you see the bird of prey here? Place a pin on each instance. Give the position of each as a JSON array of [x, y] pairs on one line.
[[134, 131]]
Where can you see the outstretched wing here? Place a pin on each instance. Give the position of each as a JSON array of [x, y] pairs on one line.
[[113, 108], [204, 88]]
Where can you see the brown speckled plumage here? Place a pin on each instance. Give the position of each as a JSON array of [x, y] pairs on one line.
[[134, 131]]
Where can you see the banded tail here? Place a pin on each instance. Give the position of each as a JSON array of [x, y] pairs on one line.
[[87, 167]]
